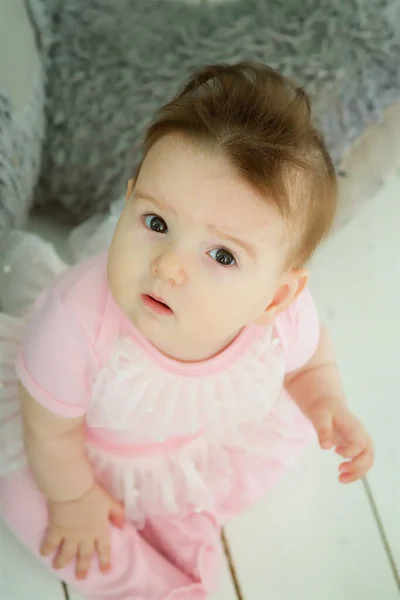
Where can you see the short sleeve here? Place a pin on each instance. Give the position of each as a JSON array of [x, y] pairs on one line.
[[298, 329], [56, 361]]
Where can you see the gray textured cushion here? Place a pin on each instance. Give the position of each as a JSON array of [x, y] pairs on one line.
[[21, 113], [113, 63]]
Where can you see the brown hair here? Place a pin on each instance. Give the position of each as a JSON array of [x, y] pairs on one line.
[[261, 121]]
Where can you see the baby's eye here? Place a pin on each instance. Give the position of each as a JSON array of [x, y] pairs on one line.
[[155, 223], [223, 257]]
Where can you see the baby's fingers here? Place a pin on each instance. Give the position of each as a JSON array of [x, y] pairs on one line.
[[103, 552], [323, 425], [346, 478], [325, 437], [66, 554], [352, 448], [358, 467], [50, 543], [84, 559]]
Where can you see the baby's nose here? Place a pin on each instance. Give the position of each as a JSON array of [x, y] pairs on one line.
[[169, 266]]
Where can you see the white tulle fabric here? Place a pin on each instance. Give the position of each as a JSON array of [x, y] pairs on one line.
[[216, 415], [132, 394]]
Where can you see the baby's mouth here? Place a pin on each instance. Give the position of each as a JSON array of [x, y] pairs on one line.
[[156, 305]]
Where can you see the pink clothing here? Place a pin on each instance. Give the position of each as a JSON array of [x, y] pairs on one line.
[[153, 564], [185, 446]]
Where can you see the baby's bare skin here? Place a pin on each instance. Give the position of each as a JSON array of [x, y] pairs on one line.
[[79, 509], [318, 392]]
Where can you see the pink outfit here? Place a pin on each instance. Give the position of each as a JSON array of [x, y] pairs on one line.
[[185, 446]]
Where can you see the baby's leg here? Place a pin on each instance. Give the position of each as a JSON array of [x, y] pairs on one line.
[[140, 569]]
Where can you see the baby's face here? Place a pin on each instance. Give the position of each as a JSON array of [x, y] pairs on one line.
[[196, 255]]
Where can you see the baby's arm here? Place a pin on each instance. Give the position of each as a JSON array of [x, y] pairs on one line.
[[56, 451], [317, 390], [79, 509], [319, 378]]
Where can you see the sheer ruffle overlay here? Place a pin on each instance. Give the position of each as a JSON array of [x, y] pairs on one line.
[[191, 442]]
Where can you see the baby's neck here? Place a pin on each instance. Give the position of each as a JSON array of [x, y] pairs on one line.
[[188, 351]]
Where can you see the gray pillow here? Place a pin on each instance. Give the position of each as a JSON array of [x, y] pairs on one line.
[[113, 63], [22, 123]]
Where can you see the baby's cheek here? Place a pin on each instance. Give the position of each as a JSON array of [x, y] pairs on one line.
[[217, 316], [224, 276], [218, 301]]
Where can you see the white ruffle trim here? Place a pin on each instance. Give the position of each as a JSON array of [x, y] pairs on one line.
[[165, 483], [223, 412], [202, 471], [132, 394]]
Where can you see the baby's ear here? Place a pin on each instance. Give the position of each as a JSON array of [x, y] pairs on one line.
[[290, 287], [129, 189]]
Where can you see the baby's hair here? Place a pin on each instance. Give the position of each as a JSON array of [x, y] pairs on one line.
[[261, 122]]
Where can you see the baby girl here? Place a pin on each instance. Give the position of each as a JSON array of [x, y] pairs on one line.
[[155, 390]]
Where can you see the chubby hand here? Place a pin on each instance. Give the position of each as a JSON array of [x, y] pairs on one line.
[[80, 529], [337, 427]]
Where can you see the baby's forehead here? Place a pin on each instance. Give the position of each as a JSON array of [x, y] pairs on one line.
[[199, 183]]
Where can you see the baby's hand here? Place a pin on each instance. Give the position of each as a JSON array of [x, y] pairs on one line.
[[80, 529], [336, 426]]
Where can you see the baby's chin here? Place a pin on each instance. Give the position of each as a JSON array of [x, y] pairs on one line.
[[173, 335]]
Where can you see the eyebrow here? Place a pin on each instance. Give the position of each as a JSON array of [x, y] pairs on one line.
[[248, 248], [161, 205], [231, 238]]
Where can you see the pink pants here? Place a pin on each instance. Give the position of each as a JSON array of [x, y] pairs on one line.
[[172, 558], [157, 563]]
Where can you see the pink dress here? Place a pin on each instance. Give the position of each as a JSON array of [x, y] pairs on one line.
[[178, 443]]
